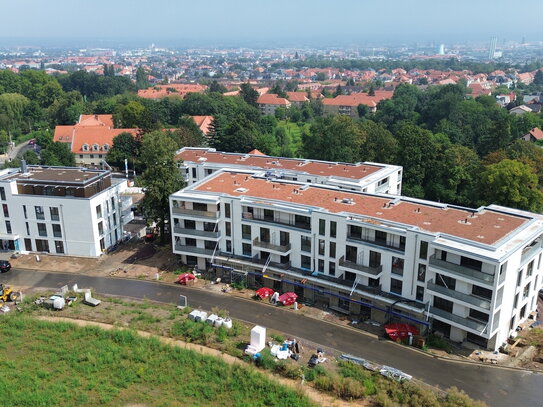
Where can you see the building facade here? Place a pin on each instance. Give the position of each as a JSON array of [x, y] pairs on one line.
[[197, 163], [62, 210], [472, 274]]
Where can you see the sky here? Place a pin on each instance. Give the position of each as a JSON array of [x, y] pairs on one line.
[[291, 22]]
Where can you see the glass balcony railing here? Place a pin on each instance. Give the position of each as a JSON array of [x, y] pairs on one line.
[[373, 271], [461, 271], [470, 299]]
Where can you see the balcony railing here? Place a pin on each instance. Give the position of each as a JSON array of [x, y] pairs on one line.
[[478, 326], [373, 271], [461, 271], [194, 213], [194, 250], [299, 225], [196, 232], [470, 299], [381, 243], [270, 246]]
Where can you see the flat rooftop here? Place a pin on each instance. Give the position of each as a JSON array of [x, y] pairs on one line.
[[321, 168], [484, 225], [71, 175]]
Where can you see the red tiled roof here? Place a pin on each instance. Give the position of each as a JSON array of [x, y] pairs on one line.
[[95, 135], [256, 152], [537, 133], [96, 120], [203, 123], [487, 226], [271, 99], [161, 91], [355, 99], [297, 96], [321, 168]]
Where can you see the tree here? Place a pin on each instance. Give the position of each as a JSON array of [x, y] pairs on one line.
[[31, 157], [217, 87], [141, 78], [129, 116], [513, 184], [58, 154], [236, 134], [278, 90], [248, 94], [12, 108], [333, 138], [125, 146], [187, 134], [380, 145], [363, 110], [67, 108], [538, 78], [160, 179]]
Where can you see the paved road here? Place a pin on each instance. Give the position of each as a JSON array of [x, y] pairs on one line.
[[498, 387]]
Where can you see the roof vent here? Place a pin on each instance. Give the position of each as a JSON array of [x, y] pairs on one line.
[[348, 201], [242, 190]]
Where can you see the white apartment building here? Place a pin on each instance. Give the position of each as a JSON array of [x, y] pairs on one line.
[[472, 274], [62, 210], [198, 163]]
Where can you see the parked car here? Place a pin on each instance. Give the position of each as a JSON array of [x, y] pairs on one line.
[[5, 266]]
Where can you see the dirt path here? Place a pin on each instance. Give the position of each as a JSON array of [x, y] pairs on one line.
[[314, 395]]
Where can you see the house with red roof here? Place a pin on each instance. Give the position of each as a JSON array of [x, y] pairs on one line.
[[348, 104], [533, 135], [269, 102], [297, 98]]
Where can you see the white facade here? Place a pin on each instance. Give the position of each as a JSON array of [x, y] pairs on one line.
[[377, 256], [199, 163], [43, 222]]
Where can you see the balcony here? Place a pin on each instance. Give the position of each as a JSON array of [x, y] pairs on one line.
[[269, 219], [195, 214], [270, 246], [197, 233], [529, 252], [193, 250], [381, 243], [473, 324], [470, 299], [373, 271], [461, 271]]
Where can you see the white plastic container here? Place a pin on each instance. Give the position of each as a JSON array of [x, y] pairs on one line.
[[201, 317], [193, 314], [219, 322], [227, 323], [211, 319], [258, 338]]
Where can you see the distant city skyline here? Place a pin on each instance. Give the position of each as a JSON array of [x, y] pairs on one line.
[[246, 22]]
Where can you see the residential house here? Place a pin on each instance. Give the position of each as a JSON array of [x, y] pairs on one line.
[[269, 102], [533, 135]]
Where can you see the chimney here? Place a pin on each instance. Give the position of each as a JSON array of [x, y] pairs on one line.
[[24, 170]]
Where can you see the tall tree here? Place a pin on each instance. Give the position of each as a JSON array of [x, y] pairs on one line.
[[160, 179], [141, 78], [58, 154], [379, 145], [248, 94], [511, 183], [125, 147]]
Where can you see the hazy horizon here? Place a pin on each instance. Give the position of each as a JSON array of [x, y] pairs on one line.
[[245, 22]]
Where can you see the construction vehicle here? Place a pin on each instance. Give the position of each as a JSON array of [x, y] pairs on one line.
[[7, 294]]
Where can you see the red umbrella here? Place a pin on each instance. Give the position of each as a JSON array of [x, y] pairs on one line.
[[264, 292], [288, 298], [183, 278]]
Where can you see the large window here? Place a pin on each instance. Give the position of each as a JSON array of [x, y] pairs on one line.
[[423, 252], [397, 266], [59, 247], [246, 247], [306, 262], [421, 274], [305, 243], [322, 247], [333, 229], [444, 281], [246, 232], [56, 230], [39, 212], [375, 259], [54, 213], [443, 304], [396, 286], [322, 227], [265, 235], [228, 228], [8, 226], [332, 249], [5, 209], [481, 292], [227, 210], [100, 228], [2, 193], [42, 229], [420, 293], [99, 211]]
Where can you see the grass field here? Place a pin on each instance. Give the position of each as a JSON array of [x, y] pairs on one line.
[[45, 364]]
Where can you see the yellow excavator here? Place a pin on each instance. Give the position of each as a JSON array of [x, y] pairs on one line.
[[7, 294]]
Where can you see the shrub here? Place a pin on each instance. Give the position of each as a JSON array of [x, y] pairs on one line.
[[439, 343], [277, 338]]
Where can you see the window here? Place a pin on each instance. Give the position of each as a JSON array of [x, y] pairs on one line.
[[306, 262], [344, 304], [8, 226], [59, 247], [54, 213], [42, 229], [322, 247], [228, 228], [95, 147], [227, 210], [113, 204], [284, 238], [102, 244], [420, 293], [2, 193], [471, 263], [49, 191], [105, 147], [56, 230], [515, 303], [115, 220], [351, 253], [380, 237], [519, 278], [6, 211], [27, 228], [305, 243], [193, 172], [421, 274], [24, 212], [246, 232], [229, 246], [444, 281], [530, 269], [265, 235], [375, 259], [39, 212], [321, 266], [198, 206], [99, 211], [503, 267], [70, 191], [92, 156], [443, 304], [396, 286], [481, 292], [42, 245], [107, 206], [397, 266], [526, 291], [28, 245], [85, 148], [247, 251], [423, 251], [100, 228], [332, 268], [332, 249], [478, 315], [333, 229], [322, 227]]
